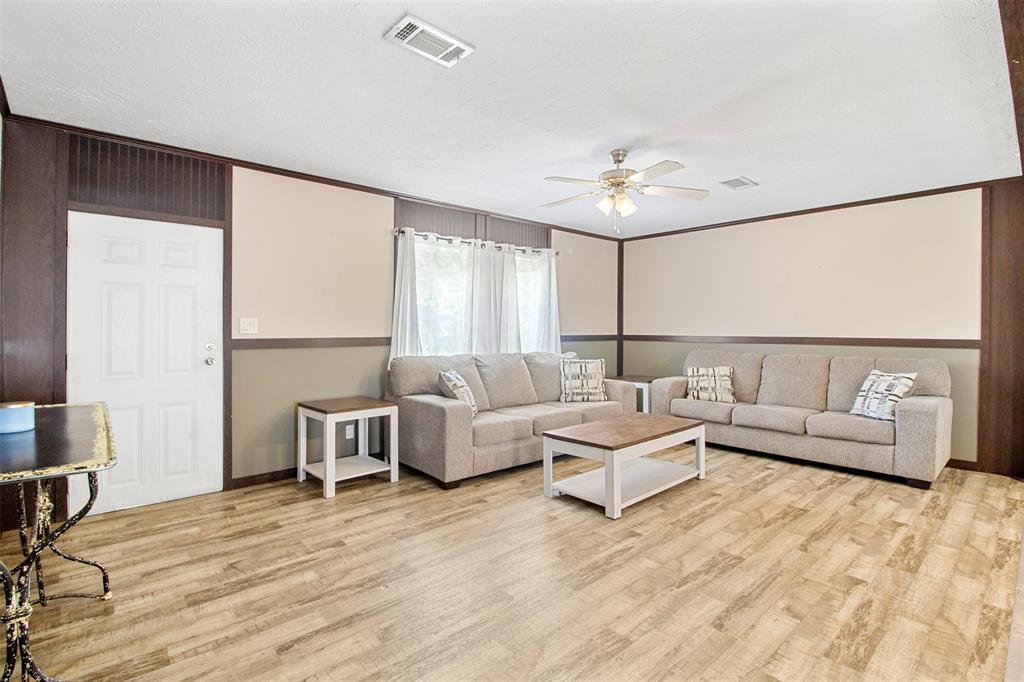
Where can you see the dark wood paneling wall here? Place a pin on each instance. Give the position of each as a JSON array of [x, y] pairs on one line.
[[453, 222], [1001, 381], [32, 228], [32, 319], [128, 176]]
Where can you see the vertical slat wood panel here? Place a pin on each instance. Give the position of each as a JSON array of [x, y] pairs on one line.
[[422, 217], [118, 174], [518, 233]]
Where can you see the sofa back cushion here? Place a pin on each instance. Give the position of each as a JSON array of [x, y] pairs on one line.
[[746, 369], [546, 374], [506, 380], [846, 374], [794, 381], [414, 375], [932, 375]]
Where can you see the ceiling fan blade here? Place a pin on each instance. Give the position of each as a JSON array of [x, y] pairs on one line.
[[575, 198], [578, 181], [656, 171], [676, 192]]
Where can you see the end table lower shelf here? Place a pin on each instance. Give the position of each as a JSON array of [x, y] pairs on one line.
[[353, 466]]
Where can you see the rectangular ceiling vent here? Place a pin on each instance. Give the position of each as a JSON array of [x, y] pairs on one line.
[[742, 182], [429, 41]]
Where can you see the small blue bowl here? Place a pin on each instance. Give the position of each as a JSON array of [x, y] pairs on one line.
[[17, 417]]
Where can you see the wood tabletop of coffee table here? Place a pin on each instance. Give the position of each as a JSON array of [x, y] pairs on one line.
[[622, 432]]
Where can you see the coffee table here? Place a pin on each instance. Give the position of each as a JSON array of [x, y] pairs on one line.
[[622, 444]]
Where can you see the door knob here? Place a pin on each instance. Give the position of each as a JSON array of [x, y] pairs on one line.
[[210, 361]]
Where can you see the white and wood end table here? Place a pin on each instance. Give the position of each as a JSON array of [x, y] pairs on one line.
[[622, 444], [643, 385], [332, 412]]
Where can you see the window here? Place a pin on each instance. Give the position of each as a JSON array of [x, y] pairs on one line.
[[457, 295]]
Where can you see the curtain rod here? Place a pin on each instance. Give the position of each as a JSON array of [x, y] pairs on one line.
[[451, 240]]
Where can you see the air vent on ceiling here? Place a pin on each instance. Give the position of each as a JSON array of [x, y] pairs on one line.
[[742, 182], [429, 41]]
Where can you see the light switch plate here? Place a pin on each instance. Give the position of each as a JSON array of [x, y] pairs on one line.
[[350, 431], [248, 325]]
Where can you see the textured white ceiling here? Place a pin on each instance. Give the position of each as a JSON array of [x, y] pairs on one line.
[[820, 102]]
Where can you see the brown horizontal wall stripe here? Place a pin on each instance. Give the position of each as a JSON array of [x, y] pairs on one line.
[[812, 341], [337, 342], [361, 341], [590, 337]]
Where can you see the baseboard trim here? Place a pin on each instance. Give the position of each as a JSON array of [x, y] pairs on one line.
[[965, 464], [259, 479], [811, 341]]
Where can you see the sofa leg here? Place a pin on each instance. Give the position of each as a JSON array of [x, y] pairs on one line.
[[917, 483], [447, 485]]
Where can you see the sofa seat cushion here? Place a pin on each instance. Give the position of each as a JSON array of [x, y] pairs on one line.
[[704, 410], [773, 417], [544, 417], [490, 428], [593, 411], [846, 426]]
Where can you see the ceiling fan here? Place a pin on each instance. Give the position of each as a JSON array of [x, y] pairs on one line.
[[617, 183]]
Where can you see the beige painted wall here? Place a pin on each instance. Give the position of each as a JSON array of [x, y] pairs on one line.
[[587, 283], [901, 269], [310, 259], [266, 384], [666, 359]]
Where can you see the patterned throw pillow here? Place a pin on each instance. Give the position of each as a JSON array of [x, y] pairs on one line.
[[710, 383], [582, 380], [454, 386], [881, 391]]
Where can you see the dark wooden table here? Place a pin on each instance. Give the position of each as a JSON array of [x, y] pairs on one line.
[[67, 440]]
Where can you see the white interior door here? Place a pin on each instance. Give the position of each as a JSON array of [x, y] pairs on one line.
[[145, 316]]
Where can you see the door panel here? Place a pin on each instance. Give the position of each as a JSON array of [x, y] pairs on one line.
[[145, 316]]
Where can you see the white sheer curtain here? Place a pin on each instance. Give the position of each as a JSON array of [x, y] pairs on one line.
[[457, 295]]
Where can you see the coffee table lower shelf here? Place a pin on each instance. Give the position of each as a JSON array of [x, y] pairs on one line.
[[641, 478]]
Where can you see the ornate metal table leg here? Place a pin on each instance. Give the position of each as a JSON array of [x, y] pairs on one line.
[[41, 533], [19, 600], [10, 621]]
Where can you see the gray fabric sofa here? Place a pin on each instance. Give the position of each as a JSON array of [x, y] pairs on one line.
[[517, 399], [798, 406]]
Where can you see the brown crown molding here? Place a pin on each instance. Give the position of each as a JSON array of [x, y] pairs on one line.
[[832, 207], [1011, 12], [582, 233], [811, 341], [241, 163]]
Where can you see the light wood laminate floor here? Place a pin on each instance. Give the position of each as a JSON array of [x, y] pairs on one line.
[[765, 570]]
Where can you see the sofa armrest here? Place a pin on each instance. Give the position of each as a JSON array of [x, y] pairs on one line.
[[924, 430], [435, 436], [664, 391], [621, 392]]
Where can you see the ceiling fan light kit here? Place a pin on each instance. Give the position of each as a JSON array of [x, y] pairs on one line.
[[616, 184]]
